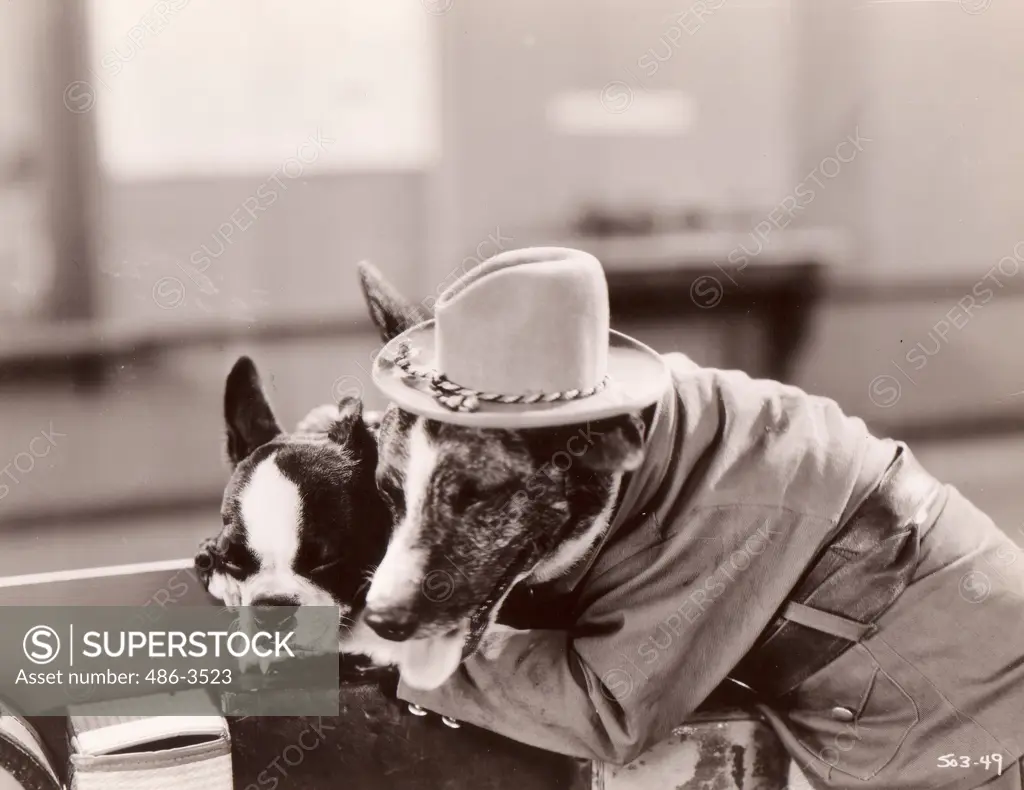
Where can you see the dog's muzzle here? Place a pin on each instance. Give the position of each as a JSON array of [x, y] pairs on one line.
[[482, 616]]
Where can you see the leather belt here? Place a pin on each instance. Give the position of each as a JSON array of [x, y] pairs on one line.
[[852, 582]]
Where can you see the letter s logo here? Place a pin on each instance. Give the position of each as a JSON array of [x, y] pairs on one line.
[[41, 644]]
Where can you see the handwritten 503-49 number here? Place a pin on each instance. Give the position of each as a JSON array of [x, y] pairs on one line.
[[963, 761]]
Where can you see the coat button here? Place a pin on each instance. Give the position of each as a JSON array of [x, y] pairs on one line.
[[842, 714]]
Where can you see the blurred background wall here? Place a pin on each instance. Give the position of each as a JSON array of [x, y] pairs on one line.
[[184, 182]]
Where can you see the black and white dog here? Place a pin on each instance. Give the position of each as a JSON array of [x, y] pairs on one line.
[[303, 524]]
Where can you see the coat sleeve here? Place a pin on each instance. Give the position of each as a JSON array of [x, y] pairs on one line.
[[656, 640], [542, 692]]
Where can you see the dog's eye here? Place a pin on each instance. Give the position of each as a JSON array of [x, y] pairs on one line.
[[327, 566], [465, 497], [470, 494]]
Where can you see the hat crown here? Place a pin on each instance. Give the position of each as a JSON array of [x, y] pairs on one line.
[[525, 322]]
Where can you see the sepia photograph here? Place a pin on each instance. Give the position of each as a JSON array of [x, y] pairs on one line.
[[471, 395]]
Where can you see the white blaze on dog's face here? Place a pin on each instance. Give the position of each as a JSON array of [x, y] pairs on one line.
[[476, 512], [260, 548], [399, 576], [302, 521]]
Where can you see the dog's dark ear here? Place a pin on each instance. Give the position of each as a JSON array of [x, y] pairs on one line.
[[614, 445], [351, 430], [350, 417], [391, 312], [247, 414]]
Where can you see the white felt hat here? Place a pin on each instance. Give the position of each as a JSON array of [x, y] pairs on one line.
[[522, 341]]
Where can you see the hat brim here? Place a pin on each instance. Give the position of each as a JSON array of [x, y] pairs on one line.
[[637, 378]]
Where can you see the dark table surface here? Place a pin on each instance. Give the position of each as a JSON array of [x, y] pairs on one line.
[[373, 742], [376, 742]]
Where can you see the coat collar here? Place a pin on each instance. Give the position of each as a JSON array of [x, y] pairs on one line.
[[639, 487]]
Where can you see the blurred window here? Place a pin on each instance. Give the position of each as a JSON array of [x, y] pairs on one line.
[[189, 88]]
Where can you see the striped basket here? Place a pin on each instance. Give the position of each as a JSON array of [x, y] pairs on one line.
[[167, 752], [25, 762]]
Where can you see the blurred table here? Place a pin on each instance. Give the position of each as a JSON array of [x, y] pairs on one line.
[[688, 276]]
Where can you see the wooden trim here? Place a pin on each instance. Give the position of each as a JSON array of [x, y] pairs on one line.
[[138, 584], [946, 290], [952, 429], [171, 181], [123, 340], [118, 509]]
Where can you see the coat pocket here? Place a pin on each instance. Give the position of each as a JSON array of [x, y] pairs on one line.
[[852, 716]]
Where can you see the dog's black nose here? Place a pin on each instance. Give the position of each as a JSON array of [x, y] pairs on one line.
[[275, 612], [396, 625], [205, 559]]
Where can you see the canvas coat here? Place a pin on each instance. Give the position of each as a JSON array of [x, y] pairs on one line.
[[743, 484]]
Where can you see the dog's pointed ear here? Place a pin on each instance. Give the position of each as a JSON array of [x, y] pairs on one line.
[[391, 312], [615, 444], [348, 420], [248, 417]]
